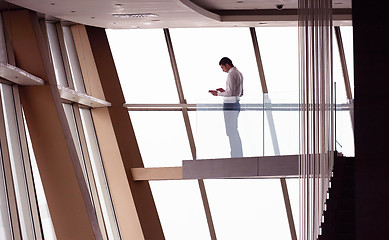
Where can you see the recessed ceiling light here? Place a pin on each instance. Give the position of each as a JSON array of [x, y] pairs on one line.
[[134, 15]]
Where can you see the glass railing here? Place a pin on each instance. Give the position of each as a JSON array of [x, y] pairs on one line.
[[225, 133], [268, 126], [344, 124], [258, 127]]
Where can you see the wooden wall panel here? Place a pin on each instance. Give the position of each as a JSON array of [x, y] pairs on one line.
[[52, 143]]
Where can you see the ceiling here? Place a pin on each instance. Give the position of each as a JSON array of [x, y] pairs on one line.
[[175, 13]]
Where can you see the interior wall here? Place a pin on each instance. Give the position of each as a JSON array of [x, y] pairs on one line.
[[371, 61]]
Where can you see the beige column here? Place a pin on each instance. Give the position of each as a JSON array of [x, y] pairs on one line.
[[134, 205]]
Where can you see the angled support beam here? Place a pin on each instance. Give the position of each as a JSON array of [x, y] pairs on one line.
[[273, 132], [135, 209], [343, 63], [189, 132], [345, 72], [259, 59]]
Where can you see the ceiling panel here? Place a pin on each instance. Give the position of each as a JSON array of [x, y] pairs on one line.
[[173, 13]]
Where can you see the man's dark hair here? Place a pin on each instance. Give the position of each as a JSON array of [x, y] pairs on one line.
[[226, 60]]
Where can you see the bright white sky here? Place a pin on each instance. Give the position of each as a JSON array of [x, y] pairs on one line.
[[241, 209]]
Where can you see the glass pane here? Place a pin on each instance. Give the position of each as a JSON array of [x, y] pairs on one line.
[[180, 210], [341, 96], [281, 126], [56, 55], [347, 39], [143, 65], [218, 137], [17, 164], [198, 52], [343, 127], [5, 223], [99, 175], [73, 130], [293, 190], [279, 52], [344, 134], [74, 64], [248, 209], [162, 138]]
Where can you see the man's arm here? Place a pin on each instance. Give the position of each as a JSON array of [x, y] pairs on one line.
[[231, 85], [213, 92]]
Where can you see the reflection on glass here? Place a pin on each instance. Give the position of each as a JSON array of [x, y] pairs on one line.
[[180, 209], [265, 129], [231, 113], [281, 131], [214, 124]]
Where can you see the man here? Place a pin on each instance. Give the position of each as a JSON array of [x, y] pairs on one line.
[[231, 105]]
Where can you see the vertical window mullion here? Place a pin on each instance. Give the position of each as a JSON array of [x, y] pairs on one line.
[[94, 171], [17, 164], [74, 65], [89, 169], [27, 163], [56, 55], [8, 205], [99, 174]]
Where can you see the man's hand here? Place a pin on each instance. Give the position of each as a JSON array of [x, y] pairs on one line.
[[220, 90], [213, 92]]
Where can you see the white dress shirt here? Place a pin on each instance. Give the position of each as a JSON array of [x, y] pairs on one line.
[[234, 86]]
